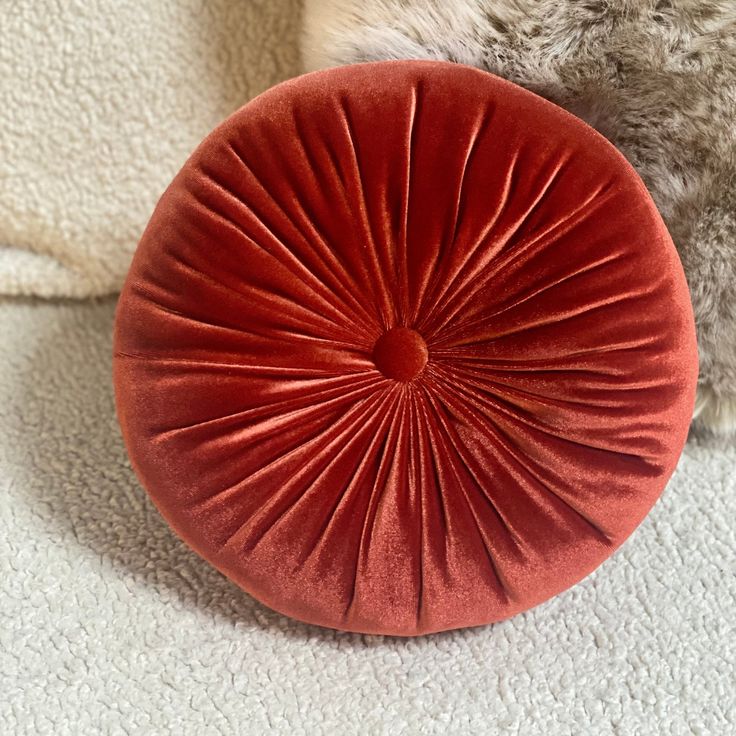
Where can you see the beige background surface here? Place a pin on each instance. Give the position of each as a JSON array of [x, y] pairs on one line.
[[101, 101], [110, 625]]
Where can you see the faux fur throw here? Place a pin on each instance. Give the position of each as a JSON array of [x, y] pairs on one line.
[[657, 77]]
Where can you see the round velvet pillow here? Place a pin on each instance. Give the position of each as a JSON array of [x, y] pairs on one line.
[[404, 348]]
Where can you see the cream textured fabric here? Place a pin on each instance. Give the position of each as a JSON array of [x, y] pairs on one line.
[[109, 624], [101, 101]]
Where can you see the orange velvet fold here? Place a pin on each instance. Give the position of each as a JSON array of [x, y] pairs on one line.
[[404, 348]]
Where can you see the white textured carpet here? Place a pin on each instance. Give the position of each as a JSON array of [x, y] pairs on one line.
[[101, 101], [109, 625]]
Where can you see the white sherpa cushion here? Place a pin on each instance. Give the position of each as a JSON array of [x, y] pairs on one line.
[[101, 104]]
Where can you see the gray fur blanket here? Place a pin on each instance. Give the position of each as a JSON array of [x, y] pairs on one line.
[[657, 77]]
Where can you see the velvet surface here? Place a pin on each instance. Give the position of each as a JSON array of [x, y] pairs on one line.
[[404, 348]]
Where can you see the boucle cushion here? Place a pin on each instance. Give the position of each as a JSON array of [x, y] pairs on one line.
[[404, 348]]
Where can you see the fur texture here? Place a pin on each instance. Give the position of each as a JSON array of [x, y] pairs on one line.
[[657, 77]]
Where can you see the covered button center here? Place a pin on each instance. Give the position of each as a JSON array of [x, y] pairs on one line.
[[400, 353]]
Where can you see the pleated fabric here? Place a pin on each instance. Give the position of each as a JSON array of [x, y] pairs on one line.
[[404, 348]]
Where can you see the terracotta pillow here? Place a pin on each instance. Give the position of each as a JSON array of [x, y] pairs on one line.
[[404, 348]]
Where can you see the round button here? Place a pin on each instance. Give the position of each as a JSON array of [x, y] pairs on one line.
[[400, 353]]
